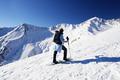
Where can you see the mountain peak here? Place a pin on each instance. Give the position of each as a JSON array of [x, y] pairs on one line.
[[26, 25], [94, 19]]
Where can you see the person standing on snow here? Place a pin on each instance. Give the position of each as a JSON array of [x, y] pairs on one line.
[[59, 41]]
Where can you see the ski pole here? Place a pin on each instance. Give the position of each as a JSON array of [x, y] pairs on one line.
[[69, 47]]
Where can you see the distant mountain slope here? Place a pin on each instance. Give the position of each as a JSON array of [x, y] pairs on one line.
[[4, 31], [15, 42]]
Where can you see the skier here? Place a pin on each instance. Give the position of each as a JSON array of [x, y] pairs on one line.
[[59, 45]]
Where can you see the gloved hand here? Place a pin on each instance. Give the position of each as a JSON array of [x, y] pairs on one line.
[[67, 38]]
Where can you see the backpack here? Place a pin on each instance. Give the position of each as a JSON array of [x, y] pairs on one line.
[[56, 38]]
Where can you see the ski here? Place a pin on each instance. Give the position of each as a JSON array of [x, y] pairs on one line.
[[62, 62]]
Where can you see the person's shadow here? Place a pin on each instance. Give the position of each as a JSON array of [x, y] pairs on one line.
[[97, 60]]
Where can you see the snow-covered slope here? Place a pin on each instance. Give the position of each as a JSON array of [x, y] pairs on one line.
[[94, 58], [94, 48], [23, 41]]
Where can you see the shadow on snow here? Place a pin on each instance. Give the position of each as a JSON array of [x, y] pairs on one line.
[[97, 60]]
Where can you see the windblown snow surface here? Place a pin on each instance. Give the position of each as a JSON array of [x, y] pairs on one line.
[[94, 49]]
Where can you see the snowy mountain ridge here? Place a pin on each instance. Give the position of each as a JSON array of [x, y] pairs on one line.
[[94, 49], [24, 36]]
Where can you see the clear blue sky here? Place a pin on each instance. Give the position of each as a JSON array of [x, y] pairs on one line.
[[51, 12]]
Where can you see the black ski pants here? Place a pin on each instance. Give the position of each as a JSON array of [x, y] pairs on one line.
[[64, 56]]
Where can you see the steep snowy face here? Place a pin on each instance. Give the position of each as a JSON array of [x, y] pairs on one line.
[[22, 40], [95, 25]]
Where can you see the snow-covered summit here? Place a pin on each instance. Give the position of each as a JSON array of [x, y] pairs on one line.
[[95, 19], [93, 25]]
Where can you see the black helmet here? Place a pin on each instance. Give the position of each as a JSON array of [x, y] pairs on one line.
[[61, 30]]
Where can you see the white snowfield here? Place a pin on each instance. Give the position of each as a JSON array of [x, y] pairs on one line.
[[94, 49]]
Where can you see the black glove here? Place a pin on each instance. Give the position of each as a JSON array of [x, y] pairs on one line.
[[67, 38]]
